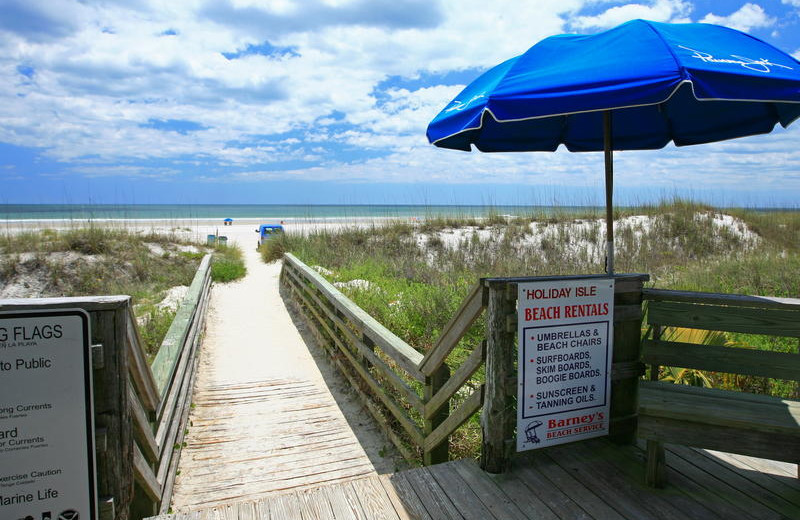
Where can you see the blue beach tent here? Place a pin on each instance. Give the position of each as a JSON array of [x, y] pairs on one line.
[[638, 86]]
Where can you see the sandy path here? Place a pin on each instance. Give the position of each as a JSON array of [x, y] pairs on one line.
[[264, 418]]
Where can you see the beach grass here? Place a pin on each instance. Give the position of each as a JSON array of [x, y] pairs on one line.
[[103, 260]]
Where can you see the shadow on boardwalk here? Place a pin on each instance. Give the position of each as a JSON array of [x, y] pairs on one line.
[[588, 480]]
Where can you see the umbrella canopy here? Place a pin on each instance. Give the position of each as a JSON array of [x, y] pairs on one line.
[[681, 83]]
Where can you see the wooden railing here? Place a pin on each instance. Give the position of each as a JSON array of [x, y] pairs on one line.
[[730, 421], [408, 389], [173, 376], [140, 413], [411, 394]]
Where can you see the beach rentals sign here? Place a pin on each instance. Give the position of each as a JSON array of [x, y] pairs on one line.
[[565, 335], [47, 469]]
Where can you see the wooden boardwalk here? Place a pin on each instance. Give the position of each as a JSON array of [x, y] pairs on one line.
[[263, 419], [294, 437], [591, 480]]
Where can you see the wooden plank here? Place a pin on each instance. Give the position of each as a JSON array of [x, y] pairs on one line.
[[172, 401], [87, 303], [170, 426], [432, 497], [409, 498], [627, 281], [776, 505], [586, 489], [788, 487], [469, 311], [627, 312], [768, 467], [463, 498], [187, 349], [684, 493], [627, 350], [624, 285], [344, 328], [457, 380], [652, 389], [285, 506], [139, 369], [144, 475], [733, 300], [456, 419], [393, 496], [558, 500], [774, 322], [166, 361], [314, 504], [723, 438], [732, 360], [341, 501], [373, 499], [440, 452], [142, 431], [247, 511], [169, 479], [521, 495], [715, 407], [627, 370], [395, 380], [487, 491], [629, 498], [396, 348]]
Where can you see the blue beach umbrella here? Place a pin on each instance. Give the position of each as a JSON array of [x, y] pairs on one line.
[[637, 86]]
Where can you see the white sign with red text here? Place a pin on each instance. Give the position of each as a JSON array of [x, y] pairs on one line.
[[565, 331]]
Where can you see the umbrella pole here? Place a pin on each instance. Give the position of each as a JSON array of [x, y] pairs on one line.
[[608, 148]]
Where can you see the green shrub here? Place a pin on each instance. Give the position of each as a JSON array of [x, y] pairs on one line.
[[227, 264], [274, 248], [153, 328]]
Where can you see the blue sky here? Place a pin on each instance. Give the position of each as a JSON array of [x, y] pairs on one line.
[[327, 101]]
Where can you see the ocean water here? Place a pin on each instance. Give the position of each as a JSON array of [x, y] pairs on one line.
[[15, 212]]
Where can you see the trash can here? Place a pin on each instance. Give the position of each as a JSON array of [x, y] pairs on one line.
[[223, 241], [211, 239]]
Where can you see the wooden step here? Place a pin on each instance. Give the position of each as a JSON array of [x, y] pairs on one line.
[[363, 498]]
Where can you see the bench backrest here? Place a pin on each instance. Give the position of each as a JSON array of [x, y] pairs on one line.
[[724, 313]]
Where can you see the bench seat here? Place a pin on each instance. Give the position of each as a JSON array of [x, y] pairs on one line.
[[748, 424]]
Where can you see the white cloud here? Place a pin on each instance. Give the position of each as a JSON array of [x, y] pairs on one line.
[[748, 17], [84, 82], [657, 11], [120, 66]]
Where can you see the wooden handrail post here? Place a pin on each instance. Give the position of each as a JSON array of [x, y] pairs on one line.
[[498, 416], [433, 383], [112, 413], [627, 350]]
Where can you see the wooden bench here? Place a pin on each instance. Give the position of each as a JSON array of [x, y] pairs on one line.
[[730, 421]]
